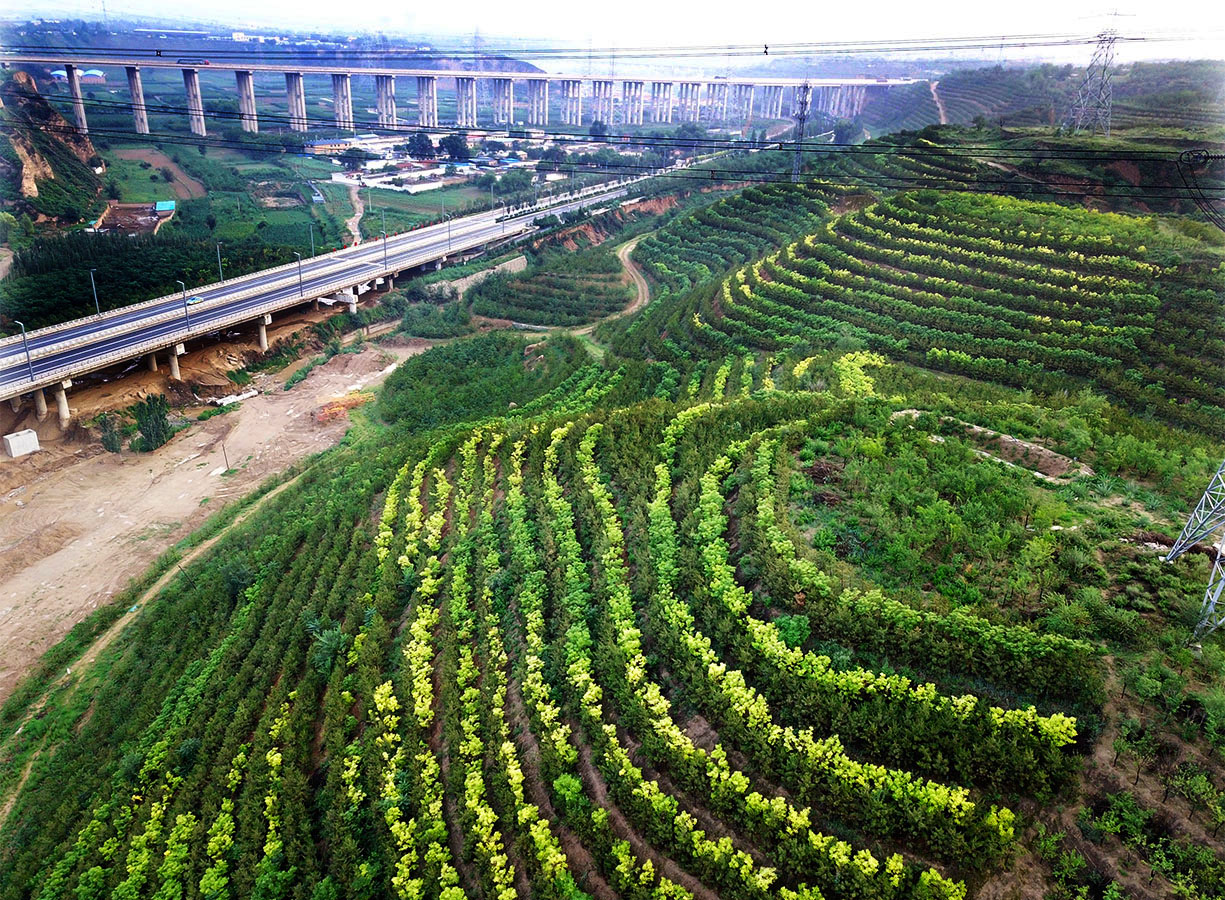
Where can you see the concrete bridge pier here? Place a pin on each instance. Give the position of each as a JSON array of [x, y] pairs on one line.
[[385, 90], [602, 101], [195, 102], [140, 114], [264, 322], [175, 351], [342, 100], [572, 102], [631, 102], [661, 102], [151, 361], [61, 402], [40, 404], [78, 99], [465, 102], [15, 403], [246, 101], [690, 101], [427, 101], [297, 101], [503, 101], [538, 102]]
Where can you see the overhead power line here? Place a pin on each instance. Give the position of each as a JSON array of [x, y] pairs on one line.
[[319, 124], [949, 182], [646, 52]]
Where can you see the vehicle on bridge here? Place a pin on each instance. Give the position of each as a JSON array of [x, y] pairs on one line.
[[192, 301], [192, 61]]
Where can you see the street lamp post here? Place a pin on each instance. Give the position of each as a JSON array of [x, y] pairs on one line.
[[186, 314], [220, 273], [26, 345], [94, 288], [384, 249], [301, 290], [311, 226]]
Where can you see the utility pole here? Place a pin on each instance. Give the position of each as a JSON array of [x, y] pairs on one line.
[[220, 273], [25, 345], [94, 288], [1091, 109], [801, 119]]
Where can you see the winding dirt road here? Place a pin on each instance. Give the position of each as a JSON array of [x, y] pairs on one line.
[[353, 224], [944, 116], [642, 290]]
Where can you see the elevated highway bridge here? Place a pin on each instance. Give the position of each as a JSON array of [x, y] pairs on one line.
[[49, 358], [642, 100]]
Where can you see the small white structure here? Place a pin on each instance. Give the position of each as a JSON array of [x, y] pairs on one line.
[[20, 443]]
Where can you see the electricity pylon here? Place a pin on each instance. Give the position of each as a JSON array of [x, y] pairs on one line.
[[1209, 514], [1091, 111], [801, 119], [1207, 519]]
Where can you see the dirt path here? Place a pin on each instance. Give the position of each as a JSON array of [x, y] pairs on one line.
[[77, 528], [185, 187], [944, 117], [354, 223], [95, 649], [6, 261], [642, 293], [510, 266]]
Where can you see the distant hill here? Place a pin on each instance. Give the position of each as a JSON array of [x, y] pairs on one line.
[[1185, 95], [45, 166]]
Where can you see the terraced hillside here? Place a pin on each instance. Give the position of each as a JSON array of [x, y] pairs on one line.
[[764, 604], [559, 289], [447, 700], [996, 288], [708, 241], [1148, 97]]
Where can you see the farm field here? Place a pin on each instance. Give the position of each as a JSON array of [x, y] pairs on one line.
[[999, 289], [407, 210], [447, 679], [560, 289], [835, 571]]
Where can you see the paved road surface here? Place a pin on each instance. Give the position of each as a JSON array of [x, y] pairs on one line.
[[83, 345]]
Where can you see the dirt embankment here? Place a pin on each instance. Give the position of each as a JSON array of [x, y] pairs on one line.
[[184, 186], [599, 229], [510, 267], [77, 523]]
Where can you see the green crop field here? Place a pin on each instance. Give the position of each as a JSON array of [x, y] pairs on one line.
[[837, 572], [404, 211]]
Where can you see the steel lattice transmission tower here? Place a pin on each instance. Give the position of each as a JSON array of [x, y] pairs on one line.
[[1091, 111], [1207, 519], [1209, 513], [802, 98]]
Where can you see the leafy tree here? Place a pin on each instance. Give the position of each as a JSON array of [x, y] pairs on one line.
[[421, 147], [598, 129], [112, 440], [793, 629], [455, 146], [153, 422]]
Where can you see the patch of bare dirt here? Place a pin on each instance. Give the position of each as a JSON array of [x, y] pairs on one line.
[[1040, 460], [185, 187], [79, 523]]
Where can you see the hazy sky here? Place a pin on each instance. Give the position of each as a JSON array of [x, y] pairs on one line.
[[649, 22]]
